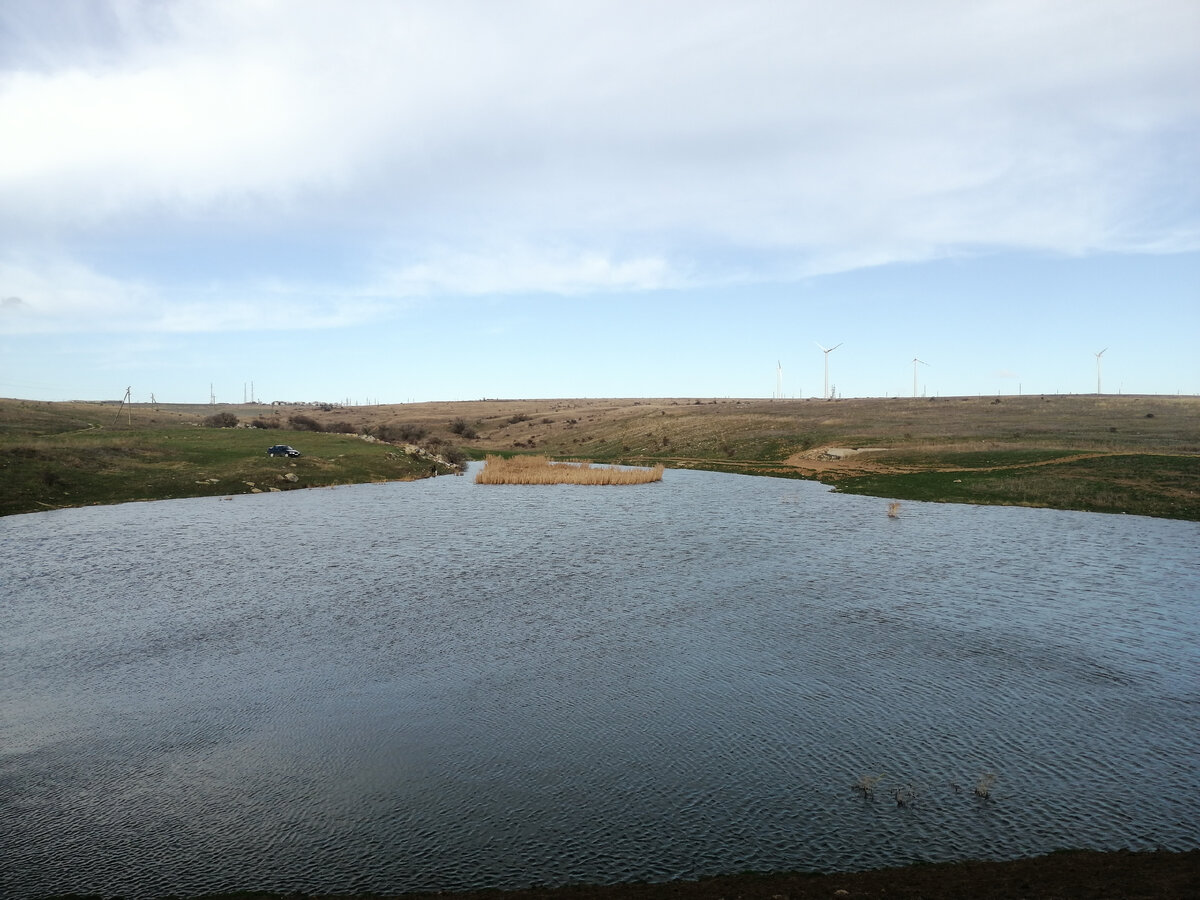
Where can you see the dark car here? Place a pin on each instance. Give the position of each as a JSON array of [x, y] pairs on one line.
[[282, 450]]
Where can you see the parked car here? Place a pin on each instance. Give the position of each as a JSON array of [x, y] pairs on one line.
[[282, 450]]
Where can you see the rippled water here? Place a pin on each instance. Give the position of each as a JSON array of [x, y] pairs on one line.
[[445, 685]]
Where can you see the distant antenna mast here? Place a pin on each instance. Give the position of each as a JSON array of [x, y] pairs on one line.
[[915, 361], [212, 398], [827, 351], [1098, 355], [778, 380]]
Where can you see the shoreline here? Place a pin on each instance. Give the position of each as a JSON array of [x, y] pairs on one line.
[[1075, 874], [1118, 455]]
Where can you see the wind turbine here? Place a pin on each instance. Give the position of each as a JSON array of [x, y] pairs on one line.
[[915, 361], [827, 351], [1098, 355], [778, 380]]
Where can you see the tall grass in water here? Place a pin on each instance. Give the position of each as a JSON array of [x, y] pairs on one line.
[[540, 470]]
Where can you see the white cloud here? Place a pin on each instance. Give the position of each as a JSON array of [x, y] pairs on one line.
[[613, 145], [57, 294], [520, 270]]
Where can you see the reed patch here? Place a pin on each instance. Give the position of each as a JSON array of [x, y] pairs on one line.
[[542, 470]]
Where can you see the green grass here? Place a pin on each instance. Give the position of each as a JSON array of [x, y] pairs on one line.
[[976, 459], [1139, 484], [100, 465]]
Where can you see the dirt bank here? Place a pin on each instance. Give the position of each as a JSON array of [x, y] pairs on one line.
[[1067, 875]]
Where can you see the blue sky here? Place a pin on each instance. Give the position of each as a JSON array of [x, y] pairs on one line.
[[387, 201]]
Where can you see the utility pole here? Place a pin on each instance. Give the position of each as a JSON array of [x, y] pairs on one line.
[[128, 411]]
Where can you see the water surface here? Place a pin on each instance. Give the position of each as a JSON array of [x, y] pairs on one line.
[[444, 685]]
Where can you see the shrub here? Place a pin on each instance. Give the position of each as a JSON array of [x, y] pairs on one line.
[[341, 428], [221, 420], [402, 433], [260, 422], [463, 428], [305, 423], [519, 417]]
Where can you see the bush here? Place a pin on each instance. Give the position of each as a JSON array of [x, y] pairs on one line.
[[221, 420], [463, 428], [341, 428], [519, 417], [455, 456], [402, 433], [260, 422], [304, 423]]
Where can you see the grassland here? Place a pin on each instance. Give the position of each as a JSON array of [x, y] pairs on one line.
[[58, 455], [1130, 454]]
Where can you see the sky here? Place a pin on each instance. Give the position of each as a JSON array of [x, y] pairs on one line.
[[389, 201]]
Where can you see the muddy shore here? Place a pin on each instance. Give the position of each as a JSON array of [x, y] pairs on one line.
[[1064, 875]]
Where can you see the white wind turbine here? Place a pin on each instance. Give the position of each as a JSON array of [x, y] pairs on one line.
[[827, 351], [915, 361], [1098, 355]]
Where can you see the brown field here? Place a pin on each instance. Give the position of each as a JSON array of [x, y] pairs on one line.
[[1136, 454], [540, 470]]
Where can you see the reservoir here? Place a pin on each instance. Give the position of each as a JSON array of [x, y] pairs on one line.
[[444, 685]]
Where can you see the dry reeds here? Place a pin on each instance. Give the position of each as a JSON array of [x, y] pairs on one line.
[[983, 787], [866, 784], [541, 470], [894, 509]]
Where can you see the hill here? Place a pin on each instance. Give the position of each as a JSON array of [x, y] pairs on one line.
[[1119, 454]]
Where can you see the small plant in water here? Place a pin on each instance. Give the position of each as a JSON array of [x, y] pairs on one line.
[[983, 787], [866, 784], [906, 795], [894, 509]]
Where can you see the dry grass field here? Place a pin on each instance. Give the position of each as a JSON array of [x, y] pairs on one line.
[[1132, 454]]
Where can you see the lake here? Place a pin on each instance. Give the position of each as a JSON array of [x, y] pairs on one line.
[[443, 685]]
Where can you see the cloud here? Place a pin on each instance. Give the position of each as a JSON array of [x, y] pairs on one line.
[[58, 294], [590, 146], [523, 270]]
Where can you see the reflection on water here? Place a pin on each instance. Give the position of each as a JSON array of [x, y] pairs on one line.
[[445, 685]]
